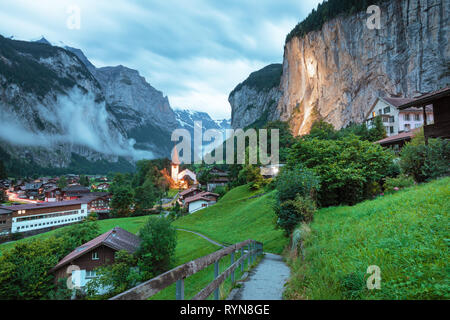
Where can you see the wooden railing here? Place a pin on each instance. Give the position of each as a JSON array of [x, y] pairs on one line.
[[177, 275]]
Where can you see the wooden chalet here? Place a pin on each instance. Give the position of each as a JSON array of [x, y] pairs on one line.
[[440, 100]]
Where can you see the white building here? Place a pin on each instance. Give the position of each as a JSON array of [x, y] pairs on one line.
[[200, 201], [394, 120]]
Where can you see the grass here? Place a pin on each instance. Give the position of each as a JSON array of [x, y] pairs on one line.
[[405, 234], [236, 218], [172, 193]]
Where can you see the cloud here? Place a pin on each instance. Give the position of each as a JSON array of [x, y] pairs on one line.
[[194, 51]]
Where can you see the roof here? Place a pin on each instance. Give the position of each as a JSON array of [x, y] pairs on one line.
[[395, 102], [201, 196], [31, 206], [427, 98], [33, 186], [116, 239], [75, 188], [185, 192], [175, 159], [5, 211], [399, 137]]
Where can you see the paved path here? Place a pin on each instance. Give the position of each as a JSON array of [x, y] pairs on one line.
[[204, 237], [266, 280]]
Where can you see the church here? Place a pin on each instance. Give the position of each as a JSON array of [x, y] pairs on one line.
[[184, 178]]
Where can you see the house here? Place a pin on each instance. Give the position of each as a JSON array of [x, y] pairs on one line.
[[73, 192], [218, 178], [53, 194], [33, 190], [98, 252], [103, 186], [98, 202], [440, 100], [188, 193], [5, 221], [30, 218], [270, 171], [188, 175], [200, 201], [394, 119]]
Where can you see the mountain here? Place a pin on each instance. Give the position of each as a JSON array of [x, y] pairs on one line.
[[255, 100], [334, 67], [143, 111], [186, 119]]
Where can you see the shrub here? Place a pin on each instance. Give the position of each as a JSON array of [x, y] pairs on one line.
[[395, 184], [425, 162], [220, 190], [296, 189], [347, 168], [157, 248]]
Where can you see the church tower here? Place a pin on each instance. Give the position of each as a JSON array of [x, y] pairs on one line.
[[175, 165]]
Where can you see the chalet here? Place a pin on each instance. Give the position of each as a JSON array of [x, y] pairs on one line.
[[396, 120], [218, 178], [200, 201], [188, 193], [98, 252], [102, 186], [33, 190], [53, 194], [73, 192], [440, 100], [98, 202], [47, 215], [5, 221]]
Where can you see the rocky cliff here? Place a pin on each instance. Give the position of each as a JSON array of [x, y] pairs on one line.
[[337, 73], [255, 100]]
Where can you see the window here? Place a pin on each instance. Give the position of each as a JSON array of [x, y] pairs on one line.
[[90, 274], [417, 117], [392, 119], [95, 255], [406, 117], [391, 129], [387, 110], [407, 127]]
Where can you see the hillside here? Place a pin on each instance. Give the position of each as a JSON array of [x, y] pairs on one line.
[[236, 218], [405, 234]]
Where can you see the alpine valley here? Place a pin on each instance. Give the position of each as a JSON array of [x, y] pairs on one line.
[[60, 113]]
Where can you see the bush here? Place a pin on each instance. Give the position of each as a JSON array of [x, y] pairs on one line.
[[348, 168], [157, 248], [296, 189], [220, 190], [395, 184], [425, 162]]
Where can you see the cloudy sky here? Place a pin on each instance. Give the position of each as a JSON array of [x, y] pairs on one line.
[[195, 51]]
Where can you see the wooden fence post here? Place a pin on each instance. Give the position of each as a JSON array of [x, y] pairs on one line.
[[232, 273], [216, 274], [180, 289], [242, 263]]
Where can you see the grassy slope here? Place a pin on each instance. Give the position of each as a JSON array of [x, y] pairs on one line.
[[405, 234], [236, 218]]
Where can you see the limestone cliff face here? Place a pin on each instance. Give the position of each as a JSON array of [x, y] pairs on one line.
[[256, 99], [337, 73]]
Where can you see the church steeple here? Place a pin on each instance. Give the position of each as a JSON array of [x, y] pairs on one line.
[[175, 164]]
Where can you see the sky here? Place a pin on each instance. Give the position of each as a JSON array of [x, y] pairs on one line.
[[194, 51]]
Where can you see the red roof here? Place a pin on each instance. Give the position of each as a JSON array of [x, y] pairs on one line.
[[117, 239], [185, 192]]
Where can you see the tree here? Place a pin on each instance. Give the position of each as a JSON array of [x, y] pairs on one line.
[[157, 248], [121, 202], [84, 180], [145, 197], [3, 196], [62, 182], [24, 269], [251, 174], [3, 174], [294, 199], [378, 132]]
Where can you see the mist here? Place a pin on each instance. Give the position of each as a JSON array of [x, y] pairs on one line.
[[74, 119]]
